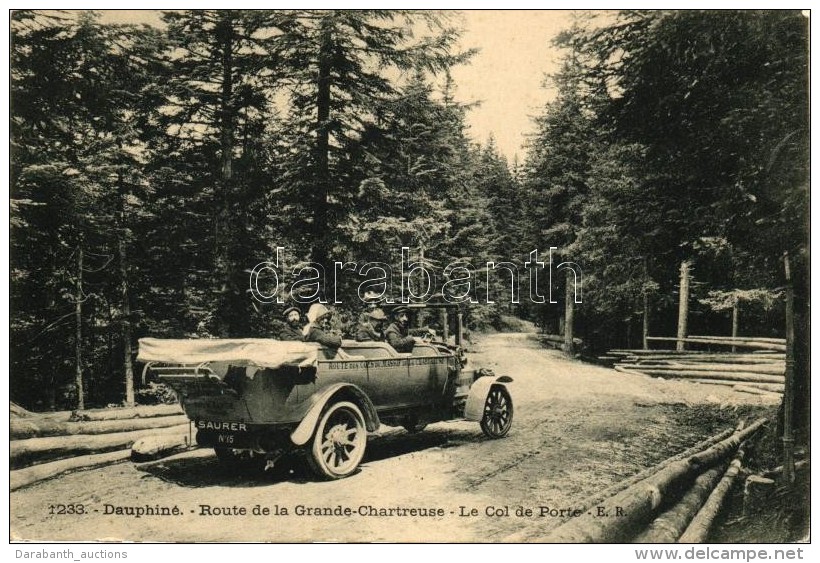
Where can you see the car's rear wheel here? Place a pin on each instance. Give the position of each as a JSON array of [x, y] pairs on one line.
[[498, 412], [339, 442]]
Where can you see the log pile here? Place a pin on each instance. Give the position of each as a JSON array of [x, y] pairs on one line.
[[760, 372], [46, 445], [556, 341]]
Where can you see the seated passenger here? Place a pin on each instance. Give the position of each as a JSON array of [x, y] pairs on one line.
[[370, 327], [318, 327], [397, 334], [293, 329]]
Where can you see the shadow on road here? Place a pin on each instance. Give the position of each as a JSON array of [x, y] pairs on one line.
[[204, 470]]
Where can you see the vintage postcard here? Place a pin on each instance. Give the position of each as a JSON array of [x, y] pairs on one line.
[[409, 276]]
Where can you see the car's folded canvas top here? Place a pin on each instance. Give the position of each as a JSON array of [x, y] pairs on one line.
[[263, 352]]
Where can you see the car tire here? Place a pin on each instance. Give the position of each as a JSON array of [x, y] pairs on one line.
[[339, 442], [498, 412]]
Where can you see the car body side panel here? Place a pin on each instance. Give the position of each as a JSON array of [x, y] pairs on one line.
[[391, 382], [258, 396]]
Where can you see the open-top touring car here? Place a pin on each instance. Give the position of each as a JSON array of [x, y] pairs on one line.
[[260, 398]]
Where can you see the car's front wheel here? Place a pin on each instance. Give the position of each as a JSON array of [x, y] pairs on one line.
[[339, 442], [498, 412]]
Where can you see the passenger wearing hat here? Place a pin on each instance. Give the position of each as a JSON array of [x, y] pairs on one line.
[[398, 334], [371, 303], [369, 329], [317, 329], [293, 329]]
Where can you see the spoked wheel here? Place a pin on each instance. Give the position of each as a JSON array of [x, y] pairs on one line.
[[498, 413], [339, 443]]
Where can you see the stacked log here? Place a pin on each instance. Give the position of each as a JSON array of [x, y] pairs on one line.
[[698, 529], [775, 344], [758, 372], [46, 445], [633, 510], [556, 340]]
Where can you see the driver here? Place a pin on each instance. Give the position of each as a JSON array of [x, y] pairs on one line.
[[370, 328]]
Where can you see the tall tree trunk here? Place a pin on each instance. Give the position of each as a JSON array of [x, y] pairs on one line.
[[126, 326], [569, 315], [683, 307], [78, 318], [320, 251], [644, 341], [735, 320], [645, 332], [788, 392], [47, 361], [223, 238]]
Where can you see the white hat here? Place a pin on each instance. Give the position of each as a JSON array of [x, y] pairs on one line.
[[316, 312]]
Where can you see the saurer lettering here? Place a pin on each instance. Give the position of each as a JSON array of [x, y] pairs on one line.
[[232, 426]]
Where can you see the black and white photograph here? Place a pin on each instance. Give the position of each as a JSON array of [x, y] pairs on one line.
[[409, 276]]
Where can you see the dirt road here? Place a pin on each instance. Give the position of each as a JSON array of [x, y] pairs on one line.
[[577, 429]]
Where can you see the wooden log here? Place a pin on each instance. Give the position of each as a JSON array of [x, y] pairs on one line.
[[764, 369], [558, 339], [637, 504], [753, 391], [743, 388], [634, 507], [752, 359], [19, 478], [669, 526], [621, 369], [143, 411], [694, 353], [684, 374], [648, 472], [158, 446], [698, 529], [770, 387], [742, 338], [712, 368], [739, 343], [16, 410], [20, 429], [719, 451], [38, 450]]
